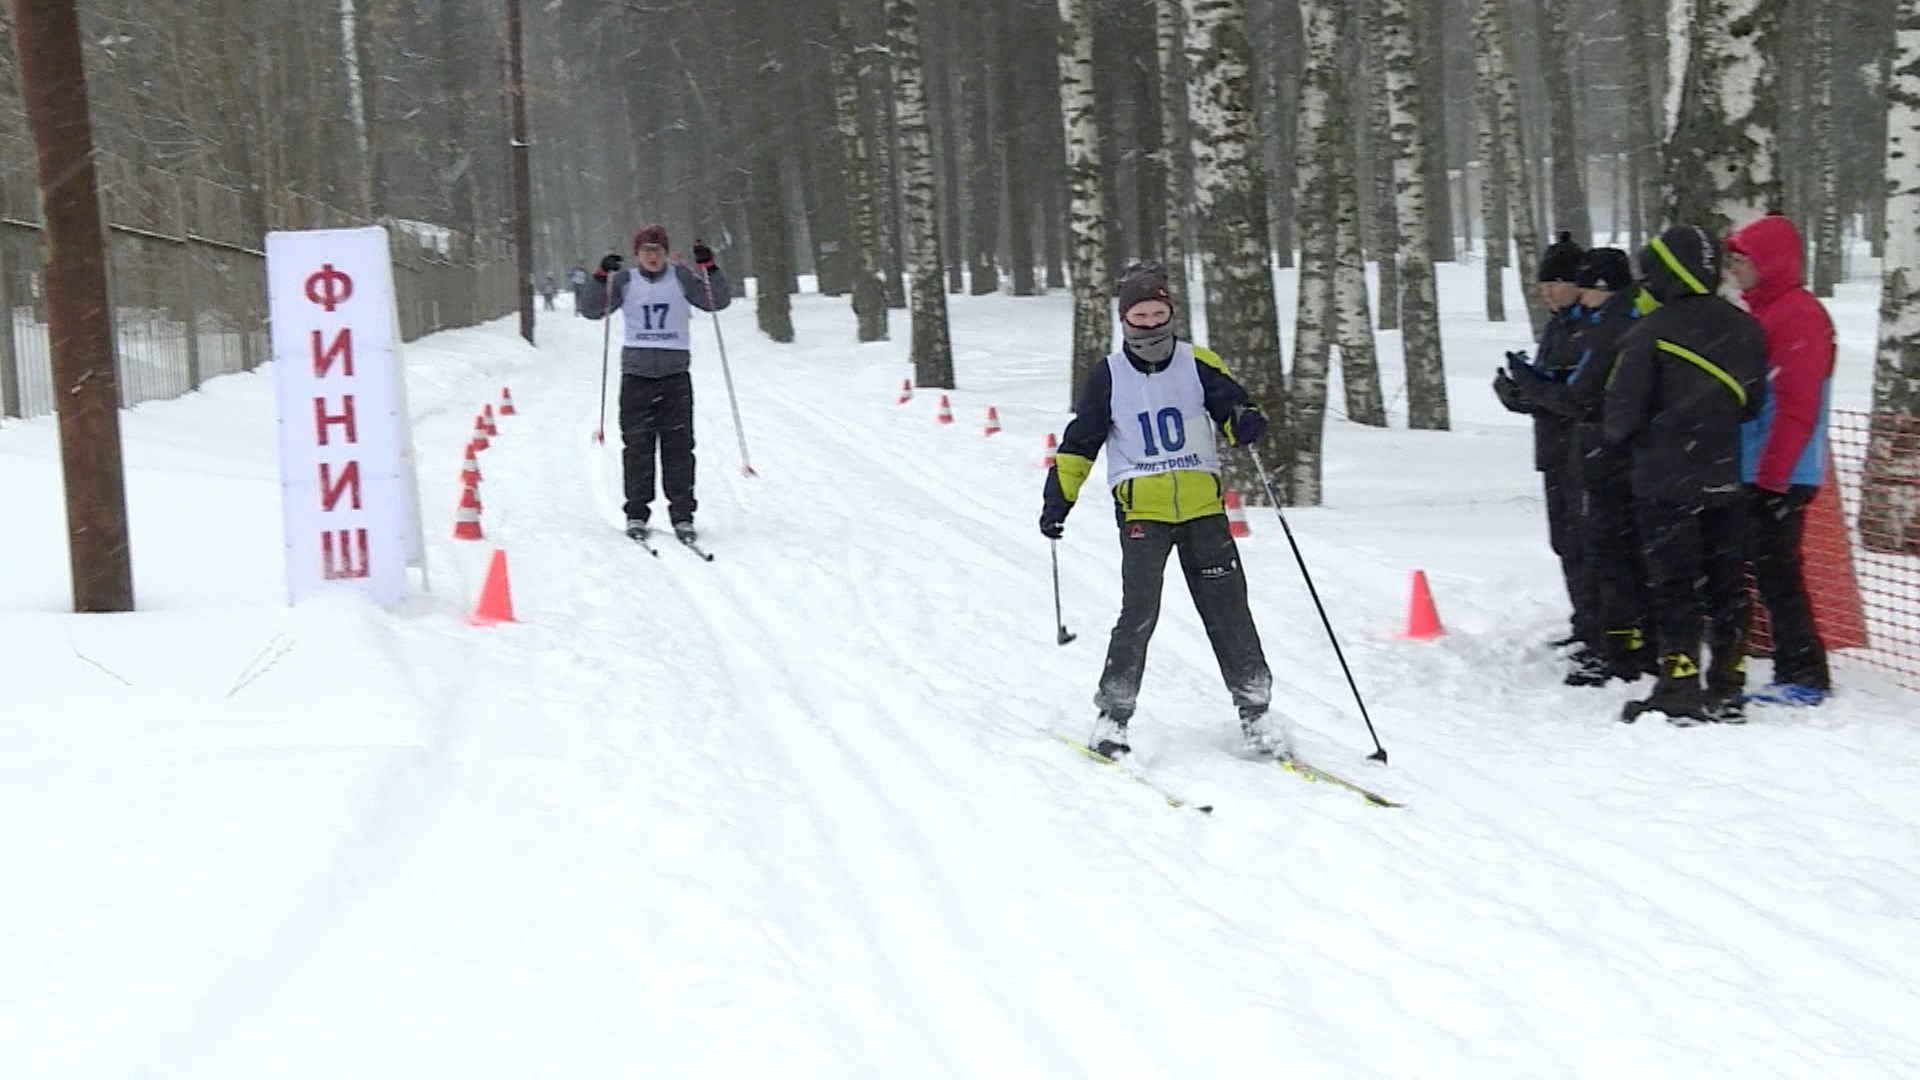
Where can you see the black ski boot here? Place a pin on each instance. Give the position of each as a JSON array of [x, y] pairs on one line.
[[636, 528], [1677, 696], [1109, 737], [1726, 693]]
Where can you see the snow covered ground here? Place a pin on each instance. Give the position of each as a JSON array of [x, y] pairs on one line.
[[796, 813]]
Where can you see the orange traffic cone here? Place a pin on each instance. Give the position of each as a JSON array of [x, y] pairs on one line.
[[470, 466], [1046, 458], [479, 433], [466, 516], [470, 489], [496, 600], [945, 415], [993, 422], [1236, 516], [506, 403], [1423, 621], [906, 392], [486, 417]]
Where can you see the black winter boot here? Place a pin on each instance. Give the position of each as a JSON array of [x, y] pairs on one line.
[[1677, 696]]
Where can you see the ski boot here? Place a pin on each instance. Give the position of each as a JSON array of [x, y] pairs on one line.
[[1797, 695], [683, 532], [1266, 733], [636, 528], [1109, 736], [1677, 696], [1726, 698]]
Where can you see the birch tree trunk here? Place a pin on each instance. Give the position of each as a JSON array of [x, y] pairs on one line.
[[932, 348], [1563, 141], [1314, 312], [1433, 86], [983, 152], [1722, 164], [1015, 143], [1826, 195], [1230, 199], [1168, 39], [1383, 238], [1399, 55], [1086, 217], [1496, 243], [1493, 36], [1890, 500], [766, 207], [1352, 322], [862, 241]]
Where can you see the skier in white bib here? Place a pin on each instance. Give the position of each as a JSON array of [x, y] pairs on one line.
[[1154, 407], [656, 391]]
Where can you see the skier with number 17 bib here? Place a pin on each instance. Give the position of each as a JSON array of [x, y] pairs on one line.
[[656, 390], [1154, 406]]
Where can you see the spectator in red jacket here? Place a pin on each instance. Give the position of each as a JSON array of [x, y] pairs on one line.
[[1783, 457]]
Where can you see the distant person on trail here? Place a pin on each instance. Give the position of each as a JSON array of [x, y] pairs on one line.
[[1783, 451], [1154, 407], [656, 389], [577, 278], [548, 289], [1690, 374], [1554, 360]]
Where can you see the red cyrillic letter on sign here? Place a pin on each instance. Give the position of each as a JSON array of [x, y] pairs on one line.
[[322, 420]]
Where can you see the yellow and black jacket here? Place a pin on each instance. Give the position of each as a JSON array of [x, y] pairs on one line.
[[1173, 497]]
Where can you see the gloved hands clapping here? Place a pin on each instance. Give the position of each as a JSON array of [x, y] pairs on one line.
[[1245, 426], [702, 255]]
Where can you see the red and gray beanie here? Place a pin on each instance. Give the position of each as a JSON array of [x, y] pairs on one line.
[[650, 233], [1140, 282]]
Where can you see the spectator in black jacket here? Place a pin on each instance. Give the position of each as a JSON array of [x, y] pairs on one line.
[[1612, 585], [1688, 375], [1553, 362]]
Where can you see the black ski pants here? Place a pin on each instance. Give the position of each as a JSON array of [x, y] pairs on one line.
[[658, 413], [1777, 523], [1562, 489], [1218, 585], [1696, 576], [1611, 573]]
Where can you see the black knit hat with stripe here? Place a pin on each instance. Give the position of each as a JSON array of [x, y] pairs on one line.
[[1561, 260]]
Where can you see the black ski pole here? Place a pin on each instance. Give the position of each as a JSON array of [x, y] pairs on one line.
[[746, 465], [1379, 752], [1059, 620], [606, 344]]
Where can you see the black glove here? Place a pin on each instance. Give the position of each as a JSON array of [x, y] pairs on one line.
[[1245, 426], [1053, 516], [1510, 393], [609, 265], [702, 255], [1778, 505]]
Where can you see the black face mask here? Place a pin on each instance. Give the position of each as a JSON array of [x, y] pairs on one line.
[[1153, 344]]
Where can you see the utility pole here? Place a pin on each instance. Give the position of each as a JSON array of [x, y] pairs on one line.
[[46, 41], [522, 173]]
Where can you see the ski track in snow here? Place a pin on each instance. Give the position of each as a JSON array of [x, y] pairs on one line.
[[795, 812]]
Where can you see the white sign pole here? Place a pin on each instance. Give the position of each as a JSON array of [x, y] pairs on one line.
[[347, 501]]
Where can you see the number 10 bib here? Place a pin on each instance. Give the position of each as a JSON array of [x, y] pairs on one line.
[[1160, 421], [656, 312]]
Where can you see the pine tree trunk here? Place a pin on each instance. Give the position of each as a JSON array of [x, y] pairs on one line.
[[1230, 200], [1643, 145], [862, 239], [1015, 138], [1569, 153], [766, 206], [1827, 267], [932, 348], [1890, 500], [1406, 106], [1314, 311], [1723, 164], [1092, 321], [983, 155], [1168, 38], [1493, 36], [881, 113]]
